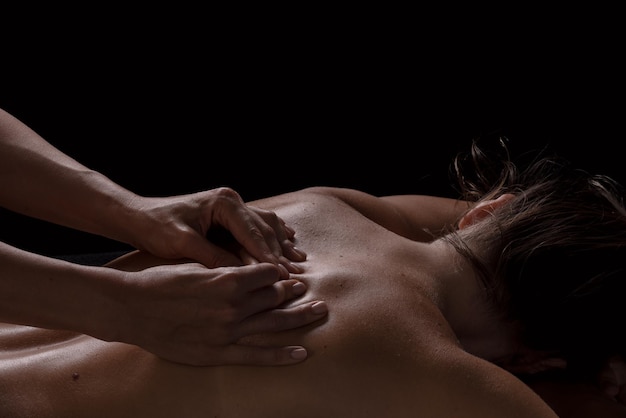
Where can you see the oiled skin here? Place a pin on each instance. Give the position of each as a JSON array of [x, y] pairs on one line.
[[385, 350]]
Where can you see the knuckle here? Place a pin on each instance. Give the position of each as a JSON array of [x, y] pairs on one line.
[[281, 321], [271, 216], [233, 280], [260, 231], [227, 194], [281, 292], [229, 316]]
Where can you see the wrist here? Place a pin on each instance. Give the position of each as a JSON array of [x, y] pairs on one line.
[[102, 309], [55, 294], [131, 222]]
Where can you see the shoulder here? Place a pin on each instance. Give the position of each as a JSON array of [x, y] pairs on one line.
[[313, 194], [330, 197], [477, 388], [420, 365], [433, 382]]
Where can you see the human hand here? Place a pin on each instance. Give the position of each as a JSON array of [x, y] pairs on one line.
[[189, 314], [177, 227]]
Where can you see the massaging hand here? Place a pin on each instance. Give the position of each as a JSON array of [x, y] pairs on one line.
[[185, 313], [176, 227], [199, 317]]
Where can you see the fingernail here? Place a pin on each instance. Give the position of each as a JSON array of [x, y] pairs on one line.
[[299, 252], [294, 268], [298, 288], [319, 308], [298, 354], [284, 273]]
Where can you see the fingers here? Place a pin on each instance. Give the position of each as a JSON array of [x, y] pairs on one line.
[[237, 302], [247, 258], [253, 277], [267, 240], [264, 356], [261, 232], [235, 354], [265, 290], [268, 321], [283, 319], [268, 297], [246, 225], [282, 234]]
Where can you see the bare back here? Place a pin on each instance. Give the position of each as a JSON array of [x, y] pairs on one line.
[[385, 349]]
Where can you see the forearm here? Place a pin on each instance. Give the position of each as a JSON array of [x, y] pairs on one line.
[[435, 215], [40, 181], [49, 293]]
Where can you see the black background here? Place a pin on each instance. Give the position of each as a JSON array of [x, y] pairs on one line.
[[270, 109]]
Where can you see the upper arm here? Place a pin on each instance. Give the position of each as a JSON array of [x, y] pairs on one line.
[[431, 213], [485, 390], [417, 217]]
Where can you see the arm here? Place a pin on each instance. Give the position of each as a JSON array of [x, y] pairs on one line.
[[433, 214], [40, 181], [418, 217], [182, 312]]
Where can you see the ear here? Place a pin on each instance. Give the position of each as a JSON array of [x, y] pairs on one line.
[[484, 208], [529, 361]]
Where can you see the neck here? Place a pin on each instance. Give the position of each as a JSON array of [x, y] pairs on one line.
[[462, 299]]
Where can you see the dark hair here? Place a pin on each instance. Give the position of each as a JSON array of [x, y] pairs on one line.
[[553, 258]]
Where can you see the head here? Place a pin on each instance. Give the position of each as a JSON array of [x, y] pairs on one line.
[[549, 243]]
